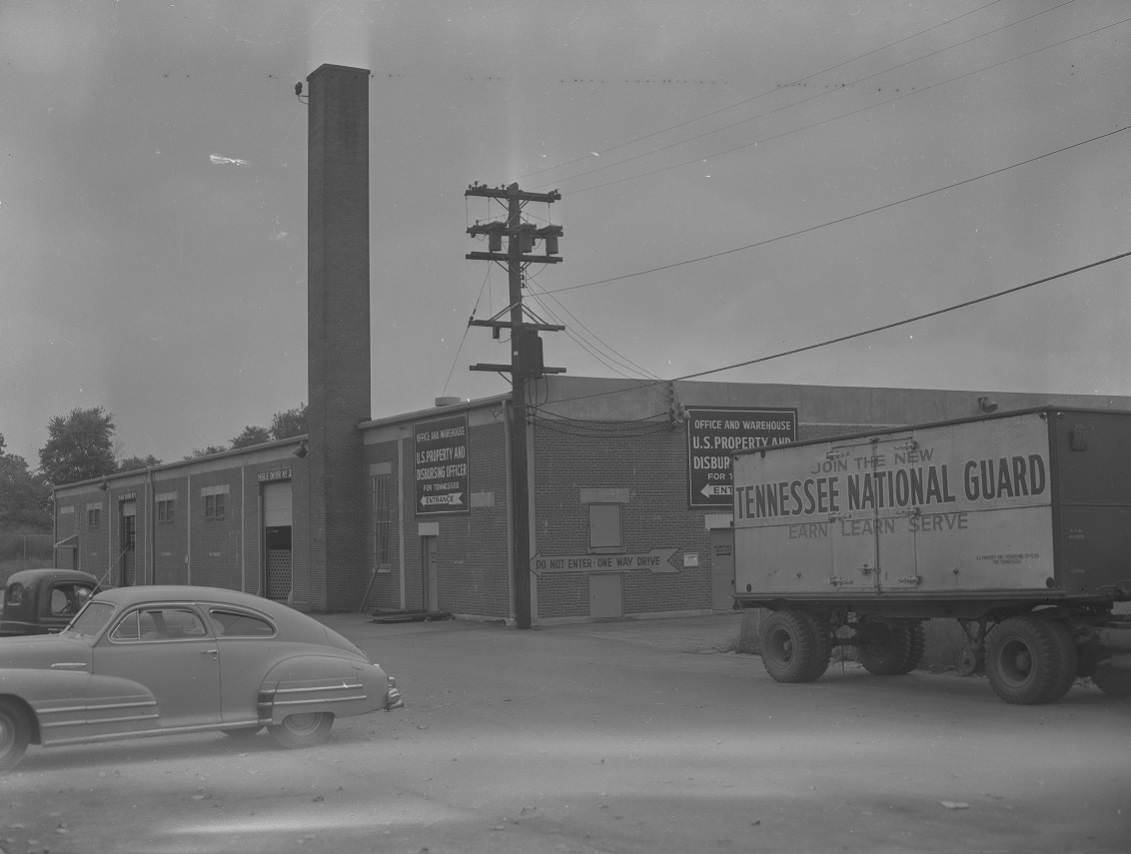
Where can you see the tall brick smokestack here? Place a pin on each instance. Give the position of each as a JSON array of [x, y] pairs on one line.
[[337, 333]]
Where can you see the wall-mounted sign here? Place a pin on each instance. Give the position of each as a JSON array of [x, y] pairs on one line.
[[273, 474], [440, 461], [713, 435], [656, 560]]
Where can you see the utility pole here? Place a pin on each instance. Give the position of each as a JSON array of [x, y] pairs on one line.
[[526, 351]]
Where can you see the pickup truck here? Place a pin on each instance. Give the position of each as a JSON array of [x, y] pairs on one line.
[[39, 601]]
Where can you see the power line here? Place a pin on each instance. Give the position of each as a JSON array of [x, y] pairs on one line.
[[811, 98], [838, 220], [905, 321], [835, 118], [463, 338], [634, 369], [859, 334], [761, 95]]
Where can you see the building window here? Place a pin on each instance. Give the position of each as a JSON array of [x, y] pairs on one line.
[[93, 518], [165, 510], [214, 506], [604, 528], [381, 485]]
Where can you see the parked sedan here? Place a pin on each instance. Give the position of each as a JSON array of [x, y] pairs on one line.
[[149, 660]]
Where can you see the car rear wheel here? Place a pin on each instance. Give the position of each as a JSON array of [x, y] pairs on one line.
[[15, 734], [305, 730]]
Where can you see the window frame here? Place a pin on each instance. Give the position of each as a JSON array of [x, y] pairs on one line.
[[381, 491], [597, 525]]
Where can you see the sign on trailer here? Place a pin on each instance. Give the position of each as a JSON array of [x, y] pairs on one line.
[[965, 506], [715, 435]]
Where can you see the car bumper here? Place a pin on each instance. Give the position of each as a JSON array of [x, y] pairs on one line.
[[393, 698]]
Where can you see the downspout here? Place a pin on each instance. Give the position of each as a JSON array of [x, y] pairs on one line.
[[55, 528], [188, 530], [510, 510], [401, 516], [243, 525], [150, 529]]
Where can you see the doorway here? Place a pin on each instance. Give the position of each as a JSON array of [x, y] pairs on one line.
[[127, 529], [722, 569], [278, 556], [430, 593]]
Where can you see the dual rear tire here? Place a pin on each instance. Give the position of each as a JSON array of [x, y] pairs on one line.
[[1031, 660]]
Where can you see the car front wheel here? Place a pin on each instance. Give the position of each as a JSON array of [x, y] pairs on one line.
[[15, 734], [305, 730]]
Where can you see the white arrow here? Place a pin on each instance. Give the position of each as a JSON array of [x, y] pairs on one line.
[[712, 489]]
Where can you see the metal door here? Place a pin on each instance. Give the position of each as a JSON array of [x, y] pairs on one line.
[[722, 569], [431, 593], [277, 555], [605, 595], [127, 542]]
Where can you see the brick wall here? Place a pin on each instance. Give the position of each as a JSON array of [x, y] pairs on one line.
[[650, 463]]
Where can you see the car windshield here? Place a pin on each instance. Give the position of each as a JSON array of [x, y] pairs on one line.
[[91, 620]]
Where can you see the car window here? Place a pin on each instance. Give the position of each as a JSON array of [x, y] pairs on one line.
[[68, 598], [240, 624], [159, 624], [14, 594], [91, 620]]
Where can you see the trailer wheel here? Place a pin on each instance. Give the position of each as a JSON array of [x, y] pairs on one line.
[[916, 645], [1069, 661], [1028, 662], [1113, 681], [791, 651], [822, 645], [890, 648]]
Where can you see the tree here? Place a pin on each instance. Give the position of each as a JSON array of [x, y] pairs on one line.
[[79, 446], [132, 463], [251, 436], [25, 497], [289, 423]]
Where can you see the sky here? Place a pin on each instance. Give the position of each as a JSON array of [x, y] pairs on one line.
[[737, 178]]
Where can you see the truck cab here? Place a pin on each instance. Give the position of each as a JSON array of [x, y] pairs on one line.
[[40, 601]]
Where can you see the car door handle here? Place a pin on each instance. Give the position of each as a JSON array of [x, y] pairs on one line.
[[212, 652]]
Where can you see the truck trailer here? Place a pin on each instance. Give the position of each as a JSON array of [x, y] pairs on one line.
[[1015, 524]]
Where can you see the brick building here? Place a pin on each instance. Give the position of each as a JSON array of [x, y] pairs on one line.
[[628, 484], [629, 507]]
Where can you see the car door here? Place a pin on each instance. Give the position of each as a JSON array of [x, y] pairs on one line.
[[168, 649]]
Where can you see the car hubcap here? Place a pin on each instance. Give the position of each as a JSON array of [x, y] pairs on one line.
[[305, 723]]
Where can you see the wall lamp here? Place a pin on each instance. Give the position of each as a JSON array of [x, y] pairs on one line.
[[302, 450], [986, 405]]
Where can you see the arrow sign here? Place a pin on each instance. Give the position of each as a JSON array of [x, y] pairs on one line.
[[452, 498], [713, 489]]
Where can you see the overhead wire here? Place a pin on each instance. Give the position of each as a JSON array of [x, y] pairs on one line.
[[861, 333], [606, 166], [831, 119], [628, 368], [466, 327], [752, 98], [914, 319], [838, 220]]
